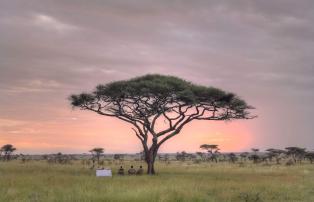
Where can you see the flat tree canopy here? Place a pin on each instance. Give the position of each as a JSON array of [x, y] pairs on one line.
[[151, 99]]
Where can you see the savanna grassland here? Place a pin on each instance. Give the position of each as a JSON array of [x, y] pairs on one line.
[[178, 181]]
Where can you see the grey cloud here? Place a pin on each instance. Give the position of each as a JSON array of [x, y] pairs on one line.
[[260, 49]]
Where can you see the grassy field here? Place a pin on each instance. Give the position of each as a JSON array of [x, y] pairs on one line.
[[39, 181]]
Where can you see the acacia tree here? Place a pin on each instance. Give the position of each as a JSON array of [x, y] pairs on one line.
[[244, 156], [158, 107], [201, 155], [296, 153], [232, 157], [255, 157], [7, 149], [97, 152], [310, 156], [276, 153], [212, 149]]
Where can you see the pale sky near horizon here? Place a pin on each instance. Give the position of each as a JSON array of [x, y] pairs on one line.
[[260, 50]]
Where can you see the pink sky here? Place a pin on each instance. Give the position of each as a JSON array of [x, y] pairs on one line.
[[80, 131]]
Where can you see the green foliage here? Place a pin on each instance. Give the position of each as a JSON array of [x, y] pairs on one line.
[[209, 146], [8, 148], [162, 89], [98, 150], [295, 150]]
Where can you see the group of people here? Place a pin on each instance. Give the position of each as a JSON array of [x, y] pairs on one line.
[[131, 171]]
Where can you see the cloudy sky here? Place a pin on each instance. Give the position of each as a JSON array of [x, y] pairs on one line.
[[260, 50]]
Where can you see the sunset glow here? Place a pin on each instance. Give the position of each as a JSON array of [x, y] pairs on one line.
[[82, 131]]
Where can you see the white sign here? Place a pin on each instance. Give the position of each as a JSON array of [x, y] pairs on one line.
[[104, 173]]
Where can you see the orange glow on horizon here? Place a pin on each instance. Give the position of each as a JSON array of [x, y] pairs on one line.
[[81, 131]]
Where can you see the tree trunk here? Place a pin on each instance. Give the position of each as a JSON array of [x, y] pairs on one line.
[[98, 156], [150, 168], [150, 159], [6, 156]]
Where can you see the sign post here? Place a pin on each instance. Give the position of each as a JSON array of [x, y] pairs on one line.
[[103, 173]]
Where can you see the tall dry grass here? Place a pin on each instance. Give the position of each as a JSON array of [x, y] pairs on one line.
[[222, 182]]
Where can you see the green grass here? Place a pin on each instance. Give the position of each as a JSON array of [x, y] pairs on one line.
[[39, 181]]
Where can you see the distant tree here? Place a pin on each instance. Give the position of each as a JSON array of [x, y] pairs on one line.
[[164, 157], [232, 157], [97, 152], [181, 156], [275, 153], [255, 150], [255, 157], [146, 101], [7, 149], [23, 158], [244, 156], [213, 151], [59, 158], [296, 153], [210, 147], [118, 157], [142, 155], [310, 156], [201, 155]]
